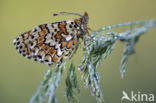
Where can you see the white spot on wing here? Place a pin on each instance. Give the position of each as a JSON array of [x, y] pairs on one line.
[[49, 26], [59, 52], [52, 43], [48, 38], [68, 37]]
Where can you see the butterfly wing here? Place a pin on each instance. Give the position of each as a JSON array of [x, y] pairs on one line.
[[49, 43]]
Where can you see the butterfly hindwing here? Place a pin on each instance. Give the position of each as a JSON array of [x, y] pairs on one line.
[[49, 43]]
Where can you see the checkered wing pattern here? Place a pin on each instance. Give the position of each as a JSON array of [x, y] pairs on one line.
[[50, 43]]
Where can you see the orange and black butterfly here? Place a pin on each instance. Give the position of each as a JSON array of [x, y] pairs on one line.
[[54, 42]]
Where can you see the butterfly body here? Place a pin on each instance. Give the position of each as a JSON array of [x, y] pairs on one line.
[[53, 42]]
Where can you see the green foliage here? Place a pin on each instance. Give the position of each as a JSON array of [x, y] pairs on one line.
[[97, 47], [47, 88], [72, 86]]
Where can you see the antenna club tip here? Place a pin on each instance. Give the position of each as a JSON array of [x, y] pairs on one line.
[[55, 14]]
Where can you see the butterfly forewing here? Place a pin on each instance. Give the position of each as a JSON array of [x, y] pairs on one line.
[[49, 43]]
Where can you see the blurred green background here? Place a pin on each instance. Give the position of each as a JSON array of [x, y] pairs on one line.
[[20, 77]]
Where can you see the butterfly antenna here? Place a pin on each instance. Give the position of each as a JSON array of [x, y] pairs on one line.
[[67, 14]]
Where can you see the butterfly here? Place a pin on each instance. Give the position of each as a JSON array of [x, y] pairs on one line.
[[53, 42]]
